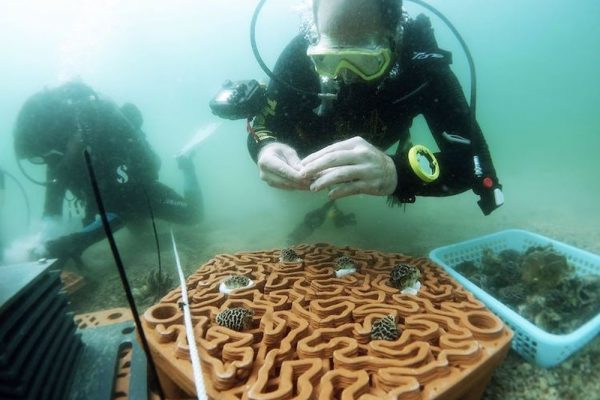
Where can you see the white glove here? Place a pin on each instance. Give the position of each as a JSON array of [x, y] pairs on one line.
[[351, 167], [280, 166]]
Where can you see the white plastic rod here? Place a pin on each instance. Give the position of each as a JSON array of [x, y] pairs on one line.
[[189, 329]]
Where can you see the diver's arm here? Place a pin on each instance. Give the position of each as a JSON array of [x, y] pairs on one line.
[[452, 122], [72, 245], [271, 138], [284, 106], [457, 134], [459, 139], [452, 125]]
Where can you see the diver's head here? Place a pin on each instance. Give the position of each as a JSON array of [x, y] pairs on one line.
[[46, 122], [133, 115], [357, 39]]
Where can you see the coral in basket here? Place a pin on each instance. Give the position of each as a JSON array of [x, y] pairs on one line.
[[540, 285]]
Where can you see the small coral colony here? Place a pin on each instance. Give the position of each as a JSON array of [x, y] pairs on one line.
[[403, 277]]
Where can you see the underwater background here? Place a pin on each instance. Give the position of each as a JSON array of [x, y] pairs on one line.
[[538, 91]]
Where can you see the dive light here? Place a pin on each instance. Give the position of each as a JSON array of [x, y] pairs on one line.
[[239, 99]]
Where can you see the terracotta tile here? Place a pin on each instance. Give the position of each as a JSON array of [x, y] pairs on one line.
[[72, 282], [310, 336], [103, 317]]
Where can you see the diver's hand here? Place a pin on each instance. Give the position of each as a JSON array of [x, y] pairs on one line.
[[279, 166], [351, 167], [38, 252], [65, 247]]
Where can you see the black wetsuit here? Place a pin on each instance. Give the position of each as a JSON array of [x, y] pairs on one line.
[[420, 82], [127, 172], [2, 185]]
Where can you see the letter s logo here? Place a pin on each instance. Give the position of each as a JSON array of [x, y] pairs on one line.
[[122, 176]]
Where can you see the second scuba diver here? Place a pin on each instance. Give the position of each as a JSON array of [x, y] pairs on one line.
[[55, 126]]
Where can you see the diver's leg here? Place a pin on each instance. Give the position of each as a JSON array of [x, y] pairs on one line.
[[167, 204], [341, 219], [191, 188], [311, 221]]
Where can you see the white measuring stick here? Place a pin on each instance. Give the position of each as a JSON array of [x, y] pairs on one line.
[[189, 329]]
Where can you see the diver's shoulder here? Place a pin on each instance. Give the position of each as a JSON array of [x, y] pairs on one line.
[[418, 33], [420, 48], [294, 54], [421, 21], [298, 44]]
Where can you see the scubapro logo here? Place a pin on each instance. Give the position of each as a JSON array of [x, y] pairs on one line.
[[122, 176], [424, 56]]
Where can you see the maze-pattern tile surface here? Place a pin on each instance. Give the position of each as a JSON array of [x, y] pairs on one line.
[[310, 336]]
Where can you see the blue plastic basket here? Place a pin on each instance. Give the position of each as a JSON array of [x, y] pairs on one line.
[[534, 344]]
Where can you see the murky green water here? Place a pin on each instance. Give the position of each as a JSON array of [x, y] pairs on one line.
[[538, 94]]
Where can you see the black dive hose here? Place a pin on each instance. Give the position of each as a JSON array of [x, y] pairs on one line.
[[121, 270], [21, 188], [463, 44], [29, 178], [479, 144], [156, 241], [259, 59]]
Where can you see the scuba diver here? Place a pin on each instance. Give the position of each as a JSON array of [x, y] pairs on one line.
[[55, 126], [345, 92]]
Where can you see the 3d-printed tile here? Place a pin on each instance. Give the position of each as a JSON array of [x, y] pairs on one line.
[[307, 333], [71, 281], [103, 317]]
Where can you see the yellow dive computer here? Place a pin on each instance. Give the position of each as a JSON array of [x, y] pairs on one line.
[[423, 163]]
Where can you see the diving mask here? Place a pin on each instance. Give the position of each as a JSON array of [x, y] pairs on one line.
[[368, 64]]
